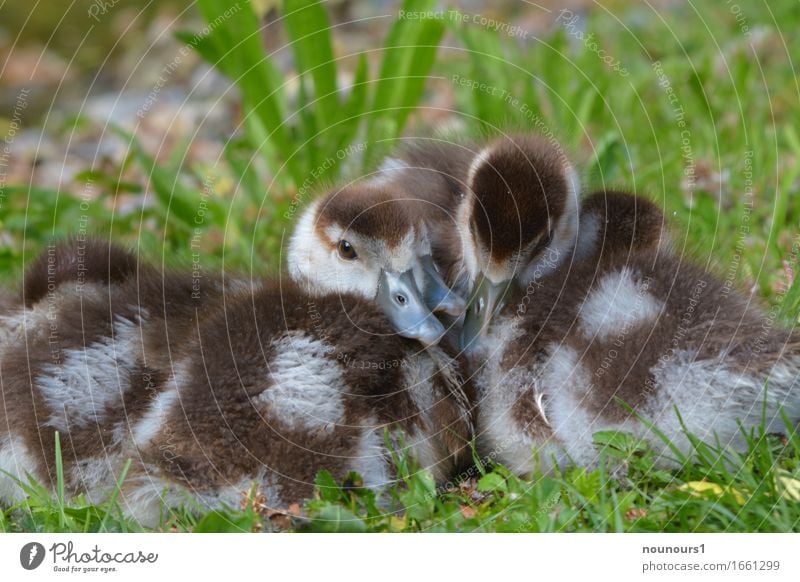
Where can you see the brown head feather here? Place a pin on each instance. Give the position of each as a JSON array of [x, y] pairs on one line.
[[520, 189]]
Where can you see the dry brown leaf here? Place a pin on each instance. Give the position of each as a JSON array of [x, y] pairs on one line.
[[635, 513], [468, 512]]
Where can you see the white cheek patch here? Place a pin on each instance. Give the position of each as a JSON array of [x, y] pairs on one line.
[[302, 245], [498, 272], [618, 303], [479, 160], [423, 242], [318, 268], [566, 231], [334, 233], [307, 386]]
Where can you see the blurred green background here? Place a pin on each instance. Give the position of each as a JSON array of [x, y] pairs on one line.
[[201, 128]]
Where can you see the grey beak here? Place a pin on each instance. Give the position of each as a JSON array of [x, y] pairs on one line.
[[486, 300], [438, 296], [402, 303]]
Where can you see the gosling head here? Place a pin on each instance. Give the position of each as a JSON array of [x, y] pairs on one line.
[[520, 220], [366, 240]]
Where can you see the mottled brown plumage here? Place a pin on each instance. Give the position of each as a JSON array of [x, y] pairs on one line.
[[624, 223], [640, 327], [211, 386], [76, 260]]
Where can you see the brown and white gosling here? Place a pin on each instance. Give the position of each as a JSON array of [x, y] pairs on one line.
[[211, 389], [616, 340], [524, 218], [369, 239]]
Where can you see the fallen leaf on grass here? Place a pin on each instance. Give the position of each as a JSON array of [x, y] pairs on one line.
[[789, 487], [468, 512], [697, 488], [282, 518], [635, 513]]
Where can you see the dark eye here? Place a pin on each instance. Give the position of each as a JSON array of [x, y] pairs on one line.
[[346, 250], [401, 299]]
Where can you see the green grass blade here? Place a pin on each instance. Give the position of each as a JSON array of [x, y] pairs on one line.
[[178, 200], [308, 26], [233, 45], [420, 63], [311, 151], [402, 34], [62, 517], [355, 106], [487, 66], [112, 502], [252, 186], [408, 55]]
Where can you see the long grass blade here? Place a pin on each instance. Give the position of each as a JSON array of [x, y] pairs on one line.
[[112, 502], [62, 517]]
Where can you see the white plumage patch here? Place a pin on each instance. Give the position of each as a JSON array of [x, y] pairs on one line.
[[34, 320], [712, 398], [371, 460], [307, 386], [96, 476], [502, 436], [241, 285], [417, 379], [489, 348], [146, 496], [16, 463], [151, 423], [566, 383], [91, 379], [617, 304]]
